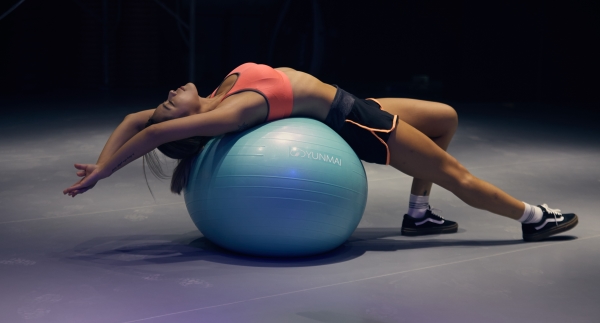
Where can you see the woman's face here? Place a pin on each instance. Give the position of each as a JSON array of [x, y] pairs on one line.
[[179, 103]]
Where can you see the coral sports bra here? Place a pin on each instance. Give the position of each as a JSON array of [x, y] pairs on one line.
[[272, 84]]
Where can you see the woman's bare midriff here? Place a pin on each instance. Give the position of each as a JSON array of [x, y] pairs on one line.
[[312, 98]]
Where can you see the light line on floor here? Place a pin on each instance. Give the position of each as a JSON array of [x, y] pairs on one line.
[[96, 212], [361, 280]]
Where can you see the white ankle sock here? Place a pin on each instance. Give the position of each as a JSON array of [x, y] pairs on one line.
[[417, 206], [532, 214]]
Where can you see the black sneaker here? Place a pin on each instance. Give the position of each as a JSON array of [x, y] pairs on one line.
[[431, 223], [553, 222]]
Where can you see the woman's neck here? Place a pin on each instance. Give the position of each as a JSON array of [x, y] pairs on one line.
[[208, 104]]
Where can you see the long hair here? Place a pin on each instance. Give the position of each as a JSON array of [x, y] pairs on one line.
[[183, 150]]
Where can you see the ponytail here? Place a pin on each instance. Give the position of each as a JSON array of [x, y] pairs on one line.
[[181, 174], [185, 150]]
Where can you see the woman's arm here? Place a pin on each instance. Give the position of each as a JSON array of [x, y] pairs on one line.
[[140, 144], [213, 123], [209, 124], [131, 125]]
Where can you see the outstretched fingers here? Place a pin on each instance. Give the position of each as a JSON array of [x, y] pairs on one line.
[[78, 191], [74, 187], [90, 173], [75, 190]]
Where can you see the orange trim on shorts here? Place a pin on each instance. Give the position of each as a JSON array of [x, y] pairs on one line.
[[380, 106], [372, 130]]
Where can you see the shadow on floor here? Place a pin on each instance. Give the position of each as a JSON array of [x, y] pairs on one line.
[[166, 249]]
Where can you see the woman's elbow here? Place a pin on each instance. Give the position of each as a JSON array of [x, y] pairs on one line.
[[133, 121], [154, 134]]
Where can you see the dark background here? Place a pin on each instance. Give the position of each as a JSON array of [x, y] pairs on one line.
[[453, 51]]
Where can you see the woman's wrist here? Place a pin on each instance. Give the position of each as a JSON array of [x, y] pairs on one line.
[[103, 171]]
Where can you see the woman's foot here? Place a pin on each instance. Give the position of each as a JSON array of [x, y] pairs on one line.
[[552, 222], [430, 223]]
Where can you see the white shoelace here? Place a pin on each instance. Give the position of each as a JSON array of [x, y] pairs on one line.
[[554, 212], [435, 211]]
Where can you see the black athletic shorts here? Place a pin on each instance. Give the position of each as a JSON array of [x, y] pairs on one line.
[[364, 126]]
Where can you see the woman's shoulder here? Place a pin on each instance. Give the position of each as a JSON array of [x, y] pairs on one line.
[[251, 105]]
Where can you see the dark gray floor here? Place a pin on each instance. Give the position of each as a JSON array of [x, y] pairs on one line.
[[116, 255]]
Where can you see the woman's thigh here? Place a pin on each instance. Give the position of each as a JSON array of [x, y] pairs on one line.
[[434, 119], [416, 155]]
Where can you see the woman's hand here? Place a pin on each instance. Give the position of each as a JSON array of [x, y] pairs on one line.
[[91, 175]]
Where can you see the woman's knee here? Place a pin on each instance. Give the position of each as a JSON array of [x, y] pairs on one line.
[[466, 182], [457, 177], [450, 116], [446, 121]]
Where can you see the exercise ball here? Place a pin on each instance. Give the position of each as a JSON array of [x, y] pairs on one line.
[[291, 187]]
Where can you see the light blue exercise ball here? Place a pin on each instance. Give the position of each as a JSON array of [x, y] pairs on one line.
[[291, 187]]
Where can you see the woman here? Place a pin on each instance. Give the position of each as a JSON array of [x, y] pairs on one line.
[[251, 94]]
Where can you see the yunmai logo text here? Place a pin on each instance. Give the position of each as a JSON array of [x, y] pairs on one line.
[[315, 155]]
